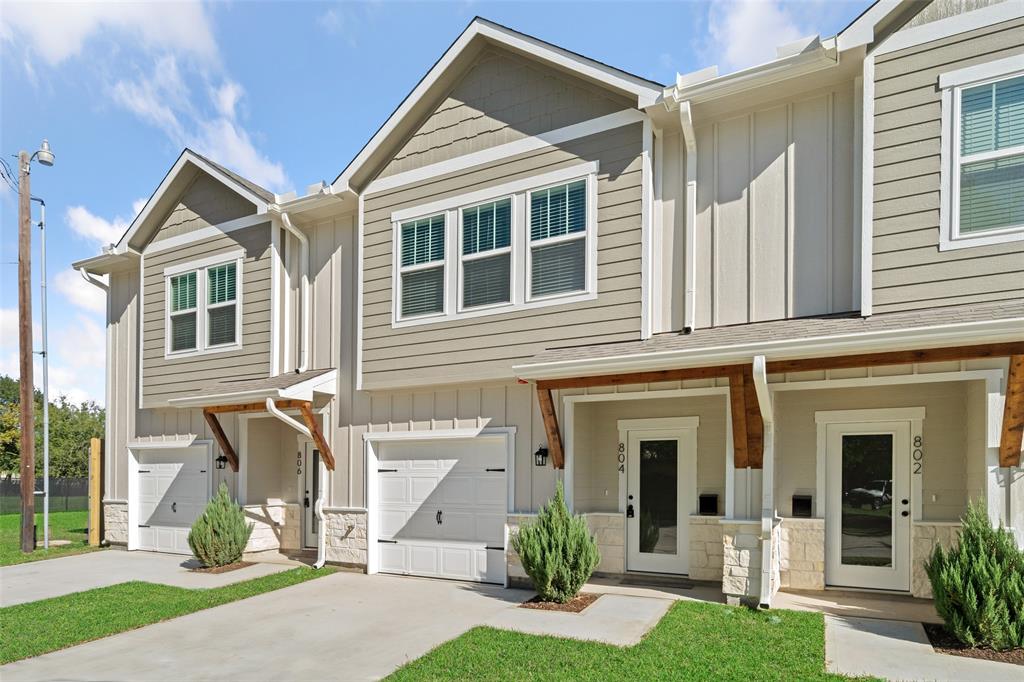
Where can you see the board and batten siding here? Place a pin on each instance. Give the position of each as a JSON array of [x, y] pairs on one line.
[[204, 203], [501, 98], [485, 348], [164, 378], [909, 271], [774, 235]]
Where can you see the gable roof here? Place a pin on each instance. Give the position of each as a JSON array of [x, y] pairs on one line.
[[442, 75], [182, 172]]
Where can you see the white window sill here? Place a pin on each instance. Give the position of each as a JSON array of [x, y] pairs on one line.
[[1002, 237], [174, 355], [492, 310]]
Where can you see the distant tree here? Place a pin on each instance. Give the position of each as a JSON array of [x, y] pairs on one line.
[[71, 428]]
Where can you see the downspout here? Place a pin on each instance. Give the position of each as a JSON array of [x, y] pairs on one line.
[[764, 401], [304, 349], [318, 504], [690, 236], [93, 280]]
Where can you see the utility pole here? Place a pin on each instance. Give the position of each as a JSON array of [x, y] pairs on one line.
[[28, 431]]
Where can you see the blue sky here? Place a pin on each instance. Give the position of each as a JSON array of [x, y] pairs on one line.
[[283, 92]]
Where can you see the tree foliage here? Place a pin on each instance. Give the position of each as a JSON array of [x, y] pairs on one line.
[[557, 551], [71, 428], [219, 536], [978, 586]]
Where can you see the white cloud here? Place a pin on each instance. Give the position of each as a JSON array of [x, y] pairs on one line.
[[743, 33], [85, 224], [82, 294], [226, 98], [59, 31]]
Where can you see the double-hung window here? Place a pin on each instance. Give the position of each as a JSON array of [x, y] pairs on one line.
[[422, 272], [558, 244], [203, 311], [487, 254], [983, 135]]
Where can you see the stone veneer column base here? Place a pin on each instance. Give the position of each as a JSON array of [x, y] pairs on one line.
[[346, 537], [802, 553], [925, 537], [275, 526], [741, 561], [115, 522], [706, 549]]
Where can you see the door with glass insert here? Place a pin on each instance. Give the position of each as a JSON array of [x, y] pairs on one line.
[[659, 496], [867, 525]]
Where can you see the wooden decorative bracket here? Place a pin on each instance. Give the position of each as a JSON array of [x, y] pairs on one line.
[[1012, 435], [318, 435], [547, 411], [221, 438]]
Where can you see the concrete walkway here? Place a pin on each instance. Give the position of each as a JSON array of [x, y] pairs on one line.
[[344, 626], [55, 577], [896, 650]]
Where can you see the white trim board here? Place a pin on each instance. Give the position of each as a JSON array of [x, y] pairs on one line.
[[867, 186], [503, 151], [204, 233], [951, 26]]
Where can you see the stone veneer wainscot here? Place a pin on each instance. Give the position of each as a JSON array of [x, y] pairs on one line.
[[706, 548], [115, 522], [346, 536], [926, 535], [741, 560], [802, 553]]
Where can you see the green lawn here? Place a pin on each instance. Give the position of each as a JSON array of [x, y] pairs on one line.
[[63, 526], [694, 641], [50, 624]]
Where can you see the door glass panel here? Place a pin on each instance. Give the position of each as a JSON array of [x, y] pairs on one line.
[[867, 528], [659, 518]]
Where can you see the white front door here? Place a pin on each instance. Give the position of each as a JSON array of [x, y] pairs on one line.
[[867, 523], [442, 508], [308, 469], [174, 487], [660, 485]]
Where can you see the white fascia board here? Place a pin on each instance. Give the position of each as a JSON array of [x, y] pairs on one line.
[[755, 77], [325, 383], [862, 30], [105, 263], [988, 331], [647, 93], [186, 157], [951, 26]]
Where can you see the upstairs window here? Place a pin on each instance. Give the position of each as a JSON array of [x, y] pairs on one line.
[[487, 254], [982, 187], [422, 266], [183, 311], [558, 230], [221, 305]]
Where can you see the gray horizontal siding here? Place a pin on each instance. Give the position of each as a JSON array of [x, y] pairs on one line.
[[909, 271], [487, 347], [502, 98], [164, 378], [205, 202]]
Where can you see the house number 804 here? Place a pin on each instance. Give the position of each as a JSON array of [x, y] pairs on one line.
[[917, 455], [622, 458]]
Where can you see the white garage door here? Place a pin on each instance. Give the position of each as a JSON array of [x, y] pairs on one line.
[[443, 508], [174, 487]]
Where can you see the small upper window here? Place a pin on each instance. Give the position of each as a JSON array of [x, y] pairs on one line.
[[991, 157], [487, 254], [422, 266], [183, 312], [558, 239], [221, 327]]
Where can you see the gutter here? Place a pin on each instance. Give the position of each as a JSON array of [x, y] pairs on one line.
[[764, 400]]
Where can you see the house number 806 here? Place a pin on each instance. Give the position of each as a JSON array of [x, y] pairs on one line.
[[917, 455]]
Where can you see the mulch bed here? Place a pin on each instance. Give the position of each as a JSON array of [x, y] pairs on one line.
[[223, 569], [945, 642], [575, 605]]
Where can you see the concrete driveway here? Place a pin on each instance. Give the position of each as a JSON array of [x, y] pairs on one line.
[[55, 577], [344, 626]]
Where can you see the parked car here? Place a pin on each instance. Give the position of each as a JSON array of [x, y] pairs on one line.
[[875, 493]]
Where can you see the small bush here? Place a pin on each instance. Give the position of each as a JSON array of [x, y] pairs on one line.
[[557, 551], [978, 586], [219, 536]]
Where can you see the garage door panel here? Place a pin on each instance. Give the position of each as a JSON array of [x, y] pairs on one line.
[[449, 476], [173, 490]]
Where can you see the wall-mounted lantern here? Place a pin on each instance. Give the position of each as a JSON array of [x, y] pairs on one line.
[[540, 458], [221, 462]]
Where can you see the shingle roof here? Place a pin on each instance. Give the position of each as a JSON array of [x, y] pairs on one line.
[[261, 192], [823, 326], [265, 385]]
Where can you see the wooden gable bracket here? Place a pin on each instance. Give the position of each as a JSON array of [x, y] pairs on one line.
[[547, 411], [747, 423], [305, 409], [1011, 437]]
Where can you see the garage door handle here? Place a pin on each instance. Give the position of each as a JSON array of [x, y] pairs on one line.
[[439, 517], [174, 507]]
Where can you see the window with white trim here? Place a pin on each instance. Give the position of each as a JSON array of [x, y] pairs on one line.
[[486, 257], [203, 311], [421, 278], [558, 231], [524, 244], [983, 131]]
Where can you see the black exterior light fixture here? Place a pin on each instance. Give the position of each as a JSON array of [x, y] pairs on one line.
[[540, 458], [221, 462]]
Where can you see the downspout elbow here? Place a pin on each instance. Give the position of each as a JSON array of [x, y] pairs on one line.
[[93, 280], [304, 349]]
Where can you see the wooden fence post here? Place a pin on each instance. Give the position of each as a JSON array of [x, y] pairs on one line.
[[95, 492]]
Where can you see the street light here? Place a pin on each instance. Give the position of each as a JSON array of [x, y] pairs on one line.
[[28, 475]]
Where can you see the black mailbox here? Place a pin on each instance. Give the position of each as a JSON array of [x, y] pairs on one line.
[[707, 504], [802, 506]]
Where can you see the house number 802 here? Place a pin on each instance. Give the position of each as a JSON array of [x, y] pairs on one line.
[[917, 455]]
